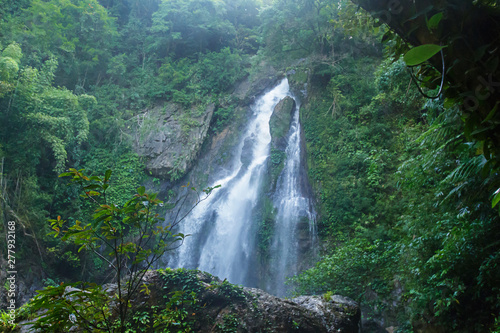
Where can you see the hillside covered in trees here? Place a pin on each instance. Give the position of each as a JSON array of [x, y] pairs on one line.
[[398, 108]]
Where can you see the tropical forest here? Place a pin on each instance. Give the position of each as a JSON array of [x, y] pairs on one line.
[[250, 166]]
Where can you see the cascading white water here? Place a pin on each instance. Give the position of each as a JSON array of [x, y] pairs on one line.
[[294, 212], [222, 241], [222, 229]]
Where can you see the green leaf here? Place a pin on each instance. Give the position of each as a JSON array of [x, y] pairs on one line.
[[92, 187], [419, 54], [496, 198], [107, 175], [486, 170], [434, 21], [480, 51], [66, 174], [387, 36], [141, 190], [491, 114]]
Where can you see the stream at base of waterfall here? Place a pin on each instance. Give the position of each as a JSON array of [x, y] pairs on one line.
[[223, 228]]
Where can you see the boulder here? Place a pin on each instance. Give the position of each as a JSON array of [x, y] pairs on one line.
[[200, 302], [170, 138], [279, 124], [220, 304]]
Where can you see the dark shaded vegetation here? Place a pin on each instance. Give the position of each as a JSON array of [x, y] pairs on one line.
[[404, 185]]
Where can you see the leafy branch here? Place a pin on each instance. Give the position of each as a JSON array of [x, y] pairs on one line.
[[134, 237]]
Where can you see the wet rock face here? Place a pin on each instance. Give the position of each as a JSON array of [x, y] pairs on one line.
[[248, 89], [307, 313], [246, 156], [337, 312], [279, 124], [252, 310], [170, 138]]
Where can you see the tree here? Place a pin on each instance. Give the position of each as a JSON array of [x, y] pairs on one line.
[[243, 14], [299, 27], [54, 117], [41, 129], [458, 38], [9, 67], [186, 27], [79, 33], [129, 238]]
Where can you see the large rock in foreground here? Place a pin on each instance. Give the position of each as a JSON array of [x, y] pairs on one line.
[[223, 307]]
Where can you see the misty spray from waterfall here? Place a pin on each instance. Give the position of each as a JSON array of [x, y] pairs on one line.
[[223, 228]]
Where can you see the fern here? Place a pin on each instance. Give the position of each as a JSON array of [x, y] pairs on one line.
[[443, 129], [463, 175], [466, 170]]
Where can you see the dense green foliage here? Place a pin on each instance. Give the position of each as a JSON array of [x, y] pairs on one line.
[[74, 77], [454, 52], [404, 185], [129, 238], [403, 194]]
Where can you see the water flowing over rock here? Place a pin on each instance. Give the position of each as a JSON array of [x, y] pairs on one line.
[[294, 236], [231, 235], [226, 247], [279, 126]]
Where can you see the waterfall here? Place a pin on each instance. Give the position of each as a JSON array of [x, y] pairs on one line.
[[222, 229], [295, 218]]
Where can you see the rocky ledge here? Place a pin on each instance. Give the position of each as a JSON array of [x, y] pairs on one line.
[[183, 300], [170, 136], [222, 307]]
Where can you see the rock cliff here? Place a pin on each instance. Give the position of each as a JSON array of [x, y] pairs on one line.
[[170, 137]]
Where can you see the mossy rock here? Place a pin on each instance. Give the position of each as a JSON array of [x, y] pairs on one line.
[[279, 124], [216, 304]]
